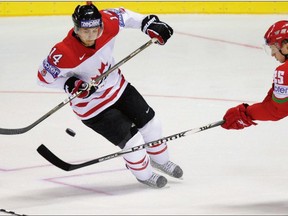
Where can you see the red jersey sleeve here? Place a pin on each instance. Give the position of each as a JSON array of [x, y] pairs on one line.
[[275, 105]]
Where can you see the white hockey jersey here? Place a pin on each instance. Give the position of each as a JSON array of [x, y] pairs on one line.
[[70, 58]]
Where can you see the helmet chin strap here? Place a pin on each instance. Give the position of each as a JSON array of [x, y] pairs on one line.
[[286, 56], [284, 42]]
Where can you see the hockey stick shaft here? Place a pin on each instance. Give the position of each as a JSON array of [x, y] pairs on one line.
[[56, 161], [14, 131]]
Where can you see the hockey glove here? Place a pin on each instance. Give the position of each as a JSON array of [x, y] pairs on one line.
[[152, 26], [73, 85], [236, 118]]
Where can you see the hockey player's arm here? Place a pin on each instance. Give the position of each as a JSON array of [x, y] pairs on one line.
[[126, 18], [271, 109], [56, 68], [275, 106], [244, 115], [150, 25], [49, 76]]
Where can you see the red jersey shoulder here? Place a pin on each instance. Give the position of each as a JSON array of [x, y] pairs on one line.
[[68, 53], [115, 14], [110, 28], [110, 23]]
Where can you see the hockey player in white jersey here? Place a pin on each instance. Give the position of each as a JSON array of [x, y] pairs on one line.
[[113, 108]]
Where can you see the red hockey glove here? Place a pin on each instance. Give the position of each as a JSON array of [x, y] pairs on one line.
[[236, 118], [73, 85], [152, 26]]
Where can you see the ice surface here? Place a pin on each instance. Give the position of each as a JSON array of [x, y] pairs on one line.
[[213, 62]]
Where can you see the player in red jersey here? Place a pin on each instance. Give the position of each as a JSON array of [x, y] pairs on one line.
[[275, 105], [113, 108]]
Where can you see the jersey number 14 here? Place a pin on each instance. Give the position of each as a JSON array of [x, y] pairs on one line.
[[56, 58]]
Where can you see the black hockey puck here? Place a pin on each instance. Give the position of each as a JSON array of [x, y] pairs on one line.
[[70, 132]]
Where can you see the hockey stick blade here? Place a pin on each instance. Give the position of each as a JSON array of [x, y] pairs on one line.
[[15, 131], [56, 161]]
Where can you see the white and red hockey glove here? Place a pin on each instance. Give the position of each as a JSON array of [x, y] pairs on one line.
[[152, 26], [236, 118], [73, 85]]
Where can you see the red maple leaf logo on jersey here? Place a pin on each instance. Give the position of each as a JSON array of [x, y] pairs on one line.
[[101, 70], [103, 66]]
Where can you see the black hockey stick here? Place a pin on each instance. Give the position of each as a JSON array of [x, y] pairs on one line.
[[8, 131], [56, 161]]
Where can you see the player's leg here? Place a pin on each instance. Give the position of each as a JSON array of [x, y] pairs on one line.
[[159, 153], [118, 129], [133, 105]]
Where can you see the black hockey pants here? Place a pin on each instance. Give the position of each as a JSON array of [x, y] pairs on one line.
[[119, 122]]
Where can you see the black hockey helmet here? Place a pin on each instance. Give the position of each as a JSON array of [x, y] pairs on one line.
[[87, 16]]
